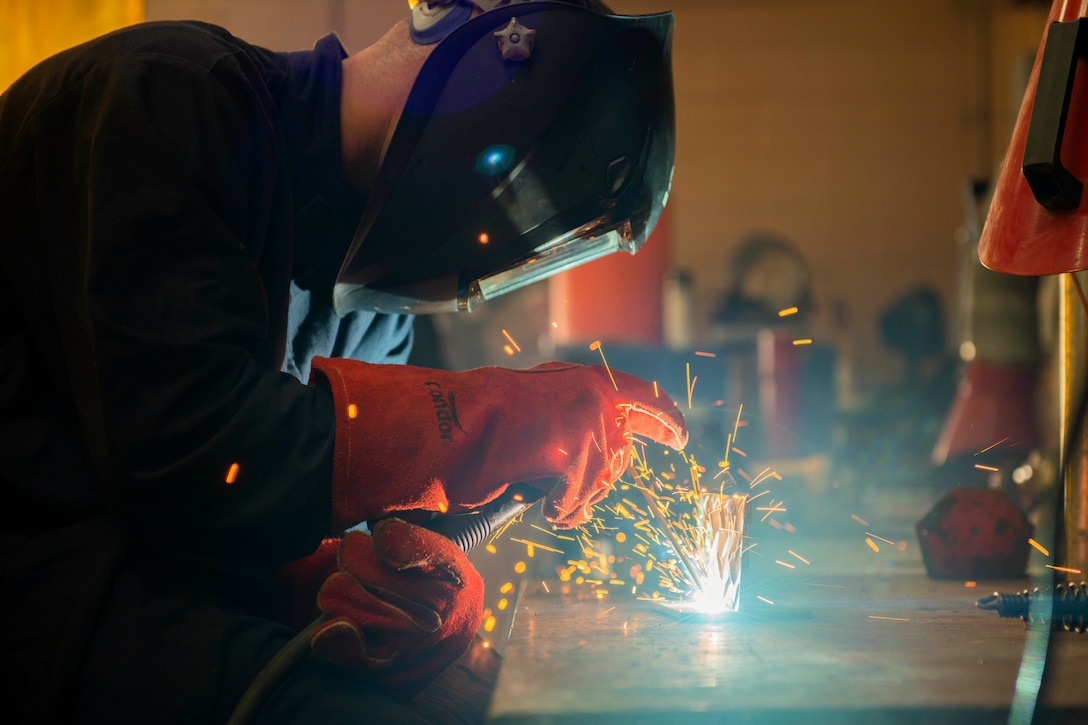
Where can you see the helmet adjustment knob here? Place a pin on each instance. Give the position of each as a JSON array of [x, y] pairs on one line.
[[516, 41]]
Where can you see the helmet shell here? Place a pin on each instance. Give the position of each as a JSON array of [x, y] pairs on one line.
[[493, 159]]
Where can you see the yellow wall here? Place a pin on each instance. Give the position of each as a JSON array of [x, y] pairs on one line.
[[849, 126], [31, 30]]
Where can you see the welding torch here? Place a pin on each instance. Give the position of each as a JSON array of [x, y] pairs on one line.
[[466, 530]]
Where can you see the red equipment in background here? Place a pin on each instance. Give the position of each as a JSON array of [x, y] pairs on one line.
[[974, 534], [1038, 219], [1038, 225]]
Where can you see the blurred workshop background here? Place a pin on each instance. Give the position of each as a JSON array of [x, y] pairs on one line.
[[833, 156]]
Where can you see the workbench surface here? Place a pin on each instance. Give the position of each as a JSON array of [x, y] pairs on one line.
[[851, 637]]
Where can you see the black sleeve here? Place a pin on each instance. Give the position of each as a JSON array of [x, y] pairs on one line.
[[203, 446]]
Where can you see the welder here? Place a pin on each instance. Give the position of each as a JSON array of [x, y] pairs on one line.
[[210, 258]]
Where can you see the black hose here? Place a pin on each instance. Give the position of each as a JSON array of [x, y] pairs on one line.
[[468, 530]]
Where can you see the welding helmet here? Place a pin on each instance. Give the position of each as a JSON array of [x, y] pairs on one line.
[[537, 136], [1038, 219]]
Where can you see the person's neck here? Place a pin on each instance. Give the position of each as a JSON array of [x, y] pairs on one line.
[[374, 87]]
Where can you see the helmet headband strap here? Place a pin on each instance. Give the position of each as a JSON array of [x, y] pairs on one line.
[[433, 20]]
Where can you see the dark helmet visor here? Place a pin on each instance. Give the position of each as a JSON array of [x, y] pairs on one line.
[[503, 172]]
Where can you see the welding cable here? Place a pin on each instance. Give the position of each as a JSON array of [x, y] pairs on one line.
[[465, 530]]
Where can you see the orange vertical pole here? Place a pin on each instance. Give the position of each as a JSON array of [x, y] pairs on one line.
[[615, 299]]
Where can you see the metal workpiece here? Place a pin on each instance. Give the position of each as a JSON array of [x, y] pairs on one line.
[[858, 638], [574, 657]]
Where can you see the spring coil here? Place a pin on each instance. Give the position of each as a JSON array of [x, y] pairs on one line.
[[1069, 602], [468, 530]]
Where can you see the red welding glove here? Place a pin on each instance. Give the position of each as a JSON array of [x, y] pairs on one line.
[[415, 438], [404, 604], [298, 581]]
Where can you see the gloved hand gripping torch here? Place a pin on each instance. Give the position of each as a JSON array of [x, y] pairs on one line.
[[402, 602], [465, 530]]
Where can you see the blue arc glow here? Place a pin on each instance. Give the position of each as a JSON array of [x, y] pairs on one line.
[[495, 160]]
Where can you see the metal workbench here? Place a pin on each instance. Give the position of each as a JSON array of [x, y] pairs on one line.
[[854, 637]]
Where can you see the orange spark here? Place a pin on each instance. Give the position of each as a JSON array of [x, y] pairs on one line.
[[763, 476], [705, 354], [442, 507], [787, 312], [508, 350], [596, 345], [803, 341], [545, 585], [784, 563], [881, 538], [232, 473], [970, 584], [739, 452], [507, 334], [772, 509], [352, 410], [872, 544], [761, 493], [1042, 549], [981, 467], [1066, 569], [992, 446], [656, 393], [794, 553], [532, 544]]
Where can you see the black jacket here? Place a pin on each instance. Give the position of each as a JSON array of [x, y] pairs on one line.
[[172, 217]]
